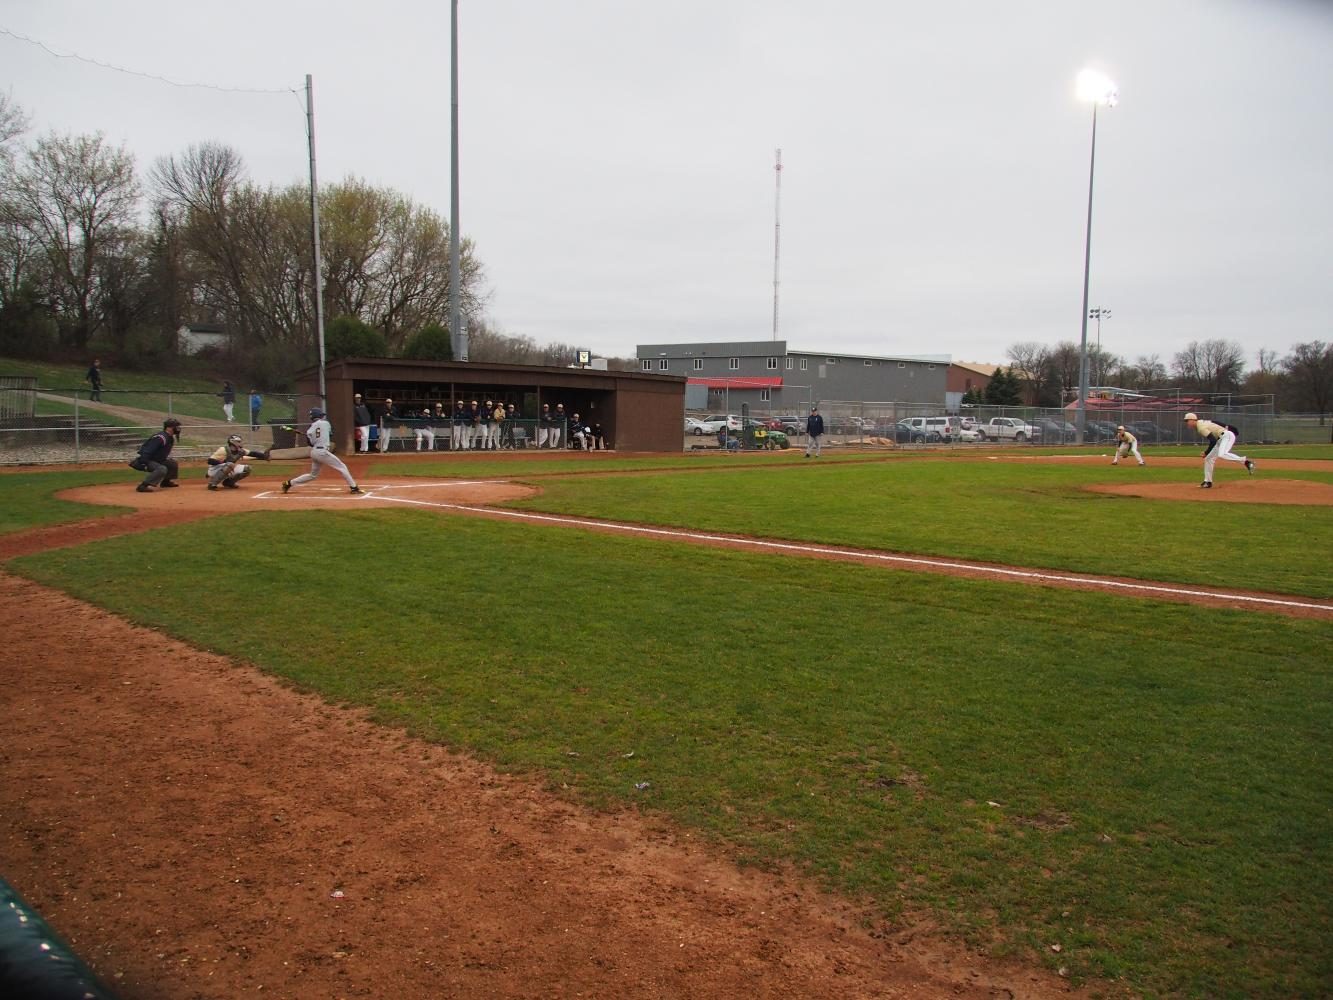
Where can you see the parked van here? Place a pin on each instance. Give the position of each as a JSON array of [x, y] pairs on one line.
[[935, 428]]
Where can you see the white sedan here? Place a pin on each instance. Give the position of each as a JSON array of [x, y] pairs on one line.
[[693, 425]]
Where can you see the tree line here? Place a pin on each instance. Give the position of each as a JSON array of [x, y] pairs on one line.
[[95, 260], [1300, 381]]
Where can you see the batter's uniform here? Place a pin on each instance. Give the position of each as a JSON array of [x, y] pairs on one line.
[[226, 466], [1220, 438], [1129, 445], [320, 435]]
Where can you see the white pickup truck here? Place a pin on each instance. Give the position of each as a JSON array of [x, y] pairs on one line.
[[1008, 429]]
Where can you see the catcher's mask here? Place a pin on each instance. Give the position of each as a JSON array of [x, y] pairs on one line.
[[235, 440]]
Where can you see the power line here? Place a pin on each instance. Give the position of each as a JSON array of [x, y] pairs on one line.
[[147, 76]]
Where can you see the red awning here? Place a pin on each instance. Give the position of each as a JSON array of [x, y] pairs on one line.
[[740, 382]]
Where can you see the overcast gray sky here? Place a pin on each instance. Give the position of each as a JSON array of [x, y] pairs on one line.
[[617, 155]]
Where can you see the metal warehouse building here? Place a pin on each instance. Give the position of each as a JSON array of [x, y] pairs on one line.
[[770, 377], [638, 412]]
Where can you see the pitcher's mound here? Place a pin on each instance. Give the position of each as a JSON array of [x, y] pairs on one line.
[[1251, 489]]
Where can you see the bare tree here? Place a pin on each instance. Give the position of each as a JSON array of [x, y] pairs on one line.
[[1030, 364], [13, 123], [1064, 362], [1309, 368], [1210, 365], [77, 197]]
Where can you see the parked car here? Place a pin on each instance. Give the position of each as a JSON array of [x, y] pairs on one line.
[[937, 428], [971, 433], [1056, 431], [711, 425], [729, 420], [904, 432], [697, 427], [1010, 429], [1147, 430], [1099, 430]]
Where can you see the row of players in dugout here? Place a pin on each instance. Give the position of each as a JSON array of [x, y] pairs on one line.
[[488, 426]]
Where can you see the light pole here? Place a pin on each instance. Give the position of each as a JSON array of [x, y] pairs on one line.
[[1098, 313], [1098, 89]]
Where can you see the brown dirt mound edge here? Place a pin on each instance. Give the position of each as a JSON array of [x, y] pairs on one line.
[[197, 829]]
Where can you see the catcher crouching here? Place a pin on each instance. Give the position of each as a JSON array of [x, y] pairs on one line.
[[225, 466]]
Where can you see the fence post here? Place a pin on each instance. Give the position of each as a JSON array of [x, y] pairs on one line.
[[77, 459]]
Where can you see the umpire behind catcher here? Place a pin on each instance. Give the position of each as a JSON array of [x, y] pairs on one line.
[[155, 458]]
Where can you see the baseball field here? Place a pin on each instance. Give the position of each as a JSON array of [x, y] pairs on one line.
[[975, 724]]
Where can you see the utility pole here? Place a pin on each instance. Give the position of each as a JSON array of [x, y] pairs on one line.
[[456, 332], [777, 239], [314, 233]]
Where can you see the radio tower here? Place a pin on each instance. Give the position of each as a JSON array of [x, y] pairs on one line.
[[777, 239]]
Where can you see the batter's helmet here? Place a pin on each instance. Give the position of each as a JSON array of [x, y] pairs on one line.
[[316, 413]]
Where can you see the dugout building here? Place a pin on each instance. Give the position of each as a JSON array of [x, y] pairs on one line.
[[637, 412]]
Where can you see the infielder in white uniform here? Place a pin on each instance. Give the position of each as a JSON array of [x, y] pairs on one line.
[[1220, 438], [320, 435], [1129, 444]]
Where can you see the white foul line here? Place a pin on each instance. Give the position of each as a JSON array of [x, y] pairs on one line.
[[886, 557], [806, 549]]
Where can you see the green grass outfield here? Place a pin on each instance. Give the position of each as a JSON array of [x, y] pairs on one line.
[[1021, 513], [1146, 784]]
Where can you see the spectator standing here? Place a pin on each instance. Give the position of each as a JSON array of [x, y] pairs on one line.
[[94, 378], [497, 421], [814, 427], [558, 419], [474, 428], [155, 459], [361, 422], [1128, 444], [460, 424], [544, 425], [441, 424], [256, 401], [388, 419], [320, 436], [1220, 438], [228, 395], [507, 428]]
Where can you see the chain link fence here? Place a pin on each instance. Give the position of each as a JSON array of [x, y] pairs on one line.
[[878, 424], [45, 426]]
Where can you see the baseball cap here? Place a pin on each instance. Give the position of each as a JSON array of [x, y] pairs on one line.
[[1191, 416]]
